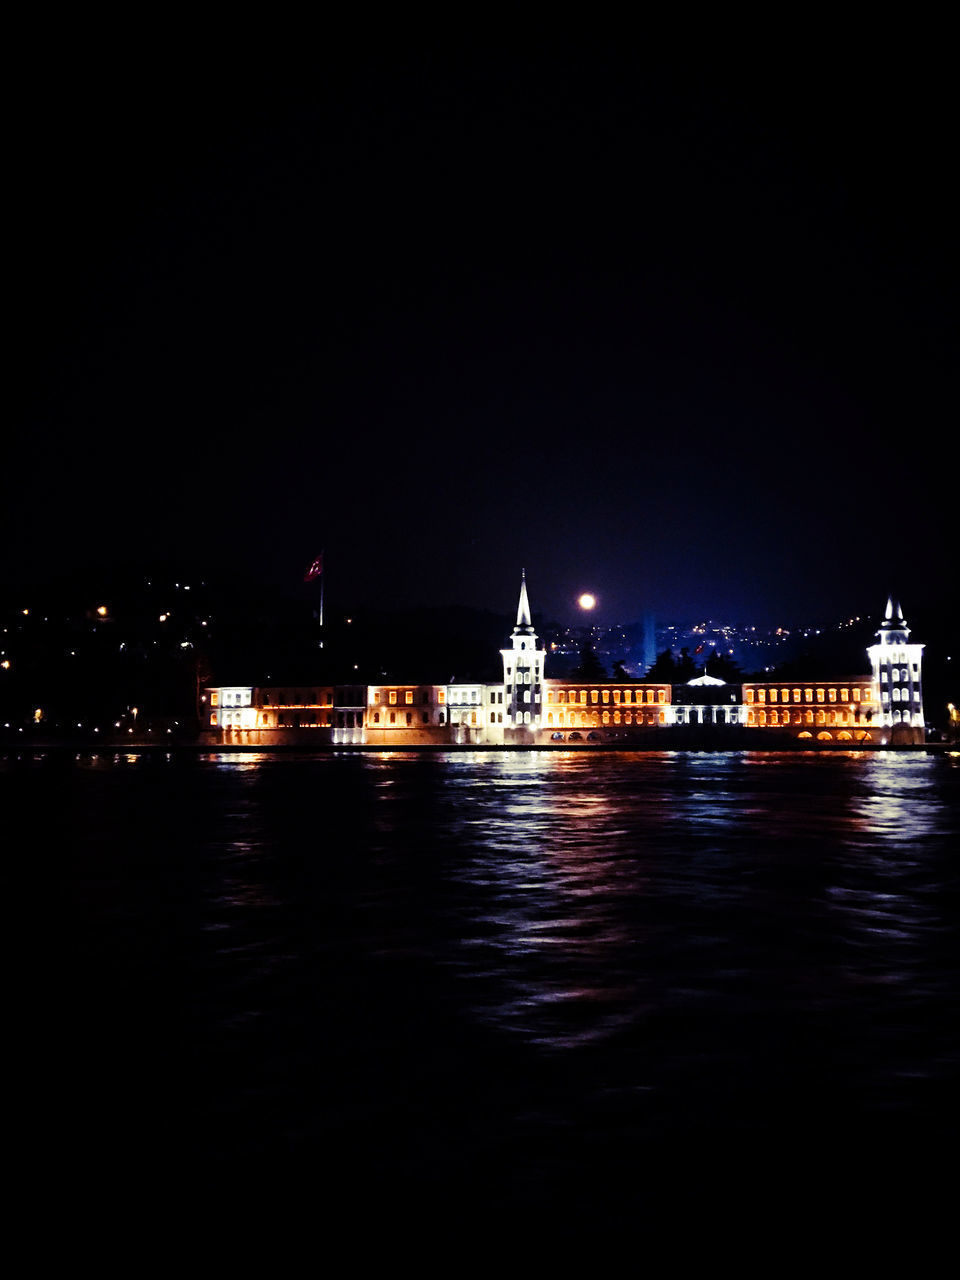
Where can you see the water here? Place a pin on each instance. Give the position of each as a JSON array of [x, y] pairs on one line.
[[505, 983]]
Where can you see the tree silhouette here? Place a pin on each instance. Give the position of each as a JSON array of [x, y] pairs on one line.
[[723, 667], [664, 670], [590, 666]]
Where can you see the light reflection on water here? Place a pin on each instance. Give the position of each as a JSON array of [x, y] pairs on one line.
[[691, 917]]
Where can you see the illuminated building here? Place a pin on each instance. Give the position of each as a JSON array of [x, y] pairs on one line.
[[896, 675], [841, 710], [707, 700], [528, 708], [523, 676]]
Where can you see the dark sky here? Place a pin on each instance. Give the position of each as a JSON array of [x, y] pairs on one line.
[[681, 339]]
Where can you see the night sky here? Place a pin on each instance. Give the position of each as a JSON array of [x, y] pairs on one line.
[[680, 339]]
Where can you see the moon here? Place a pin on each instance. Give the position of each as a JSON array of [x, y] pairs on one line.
[[587, 601]]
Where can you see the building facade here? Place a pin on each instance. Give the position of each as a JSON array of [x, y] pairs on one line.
[[528, 708]]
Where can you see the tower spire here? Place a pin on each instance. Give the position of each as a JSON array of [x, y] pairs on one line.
[[523, 665], [523, 609]]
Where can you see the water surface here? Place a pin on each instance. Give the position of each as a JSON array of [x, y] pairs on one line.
[[514, 980]]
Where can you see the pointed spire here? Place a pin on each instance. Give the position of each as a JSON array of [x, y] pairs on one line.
[[893, 620], [523, 609]]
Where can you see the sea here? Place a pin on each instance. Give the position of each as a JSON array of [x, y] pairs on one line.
[[483, 987]]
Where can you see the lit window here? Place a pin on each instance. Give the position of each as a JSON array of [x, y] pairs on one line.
[[808, 717], [549, 695], [606, 695], [773, 695], [408, 697], [583, 695], [820, 695], [594, 695], [393, 699], [832, 693], [661, 695], [796, 695], [616, 695], [808, 695], [762, 695], [616, 717], [774, 718], [749, 695], [784, 695]]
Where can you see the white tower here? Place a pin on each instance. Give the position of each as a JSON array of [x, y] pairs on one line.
[[523, 675], [896, 674]]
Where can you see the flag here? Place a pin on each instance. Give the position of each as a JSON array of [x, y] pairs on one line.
[[315, 569]]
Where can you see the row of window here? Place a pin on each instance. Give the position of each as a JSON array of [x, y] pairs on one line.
[[231, 697], [407, 717], [801, 717], [897, 695], [896, 655], [899, 673], [595, 718], [807, 695], [605, 695], [297, 698]]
